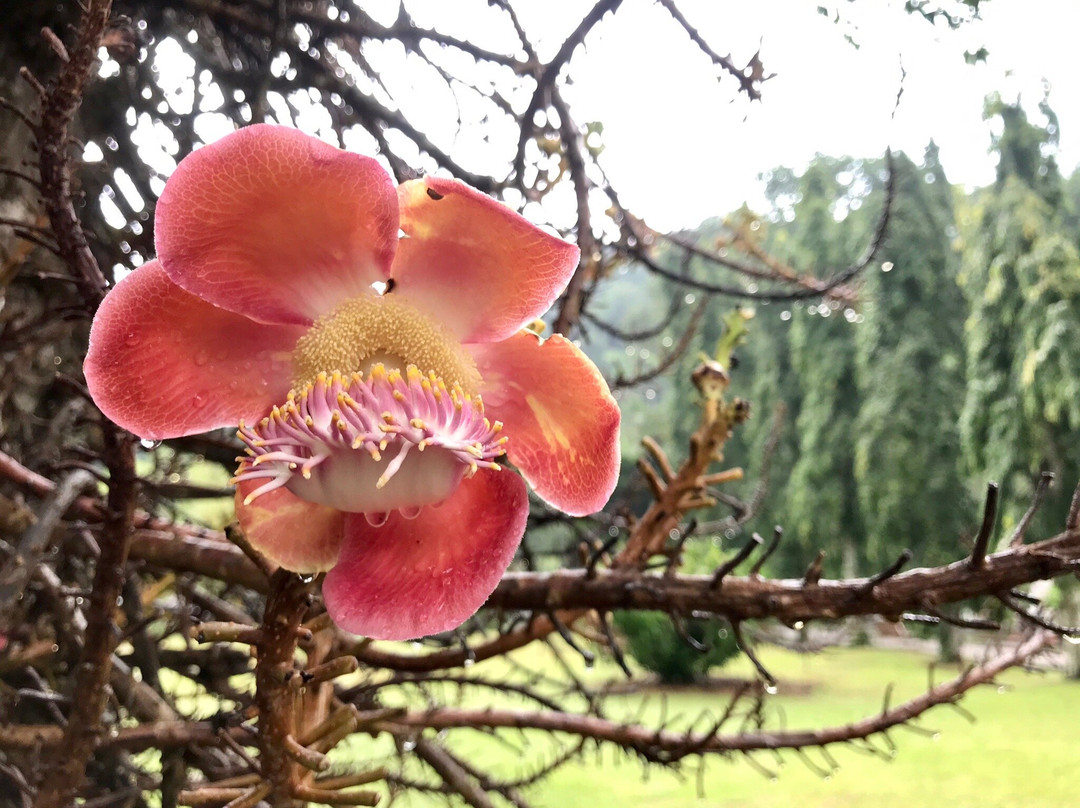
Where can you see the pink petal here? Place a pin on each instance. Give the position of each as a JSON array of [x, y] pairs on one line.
[[275, 224], [296, 534], [479, 267], [561, 420], [413, 577], [163, 363]]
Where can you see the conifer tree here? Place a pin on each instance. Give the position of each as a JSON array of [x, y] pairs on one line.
[[1021, 274], [910, 362]]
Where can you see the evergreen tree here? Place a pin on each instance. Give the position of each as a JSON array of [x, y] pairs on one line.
[[1021, 274], [911, 377], [821, 505]]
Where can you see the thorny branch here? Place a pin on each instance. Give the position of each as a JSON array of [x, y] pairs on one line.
[[83, 574]]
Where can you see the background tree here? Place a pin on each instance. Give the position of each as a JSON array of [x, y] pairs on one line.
[[101, 541], [910, 373]]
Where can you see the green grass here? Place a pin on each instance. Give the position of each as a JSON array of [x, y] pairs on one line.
[[1020, 753]]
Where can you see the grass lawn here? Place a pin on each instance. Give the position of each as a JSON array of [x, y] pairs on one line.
[[1022, 752]]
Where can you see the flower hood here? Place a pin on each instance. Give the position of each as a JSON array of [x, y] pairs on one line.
[[369, 342]]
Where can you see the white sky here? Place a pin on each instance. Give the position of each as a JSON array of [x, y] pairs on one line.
[[681, 151], [681, 146]]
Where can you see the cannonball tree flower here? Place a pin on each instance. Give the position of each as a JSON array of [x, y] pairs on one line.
[[369, 342]]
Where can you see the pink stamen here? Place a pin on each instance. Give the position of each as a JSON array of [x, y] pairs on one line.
[[385, 412]]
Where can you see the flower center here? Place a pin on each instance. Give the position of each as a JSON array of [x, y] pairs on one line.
[[358, 444], [371, 329]]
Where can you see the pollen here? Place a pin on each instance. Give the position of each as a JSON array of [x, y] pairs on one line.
[[370, 330]]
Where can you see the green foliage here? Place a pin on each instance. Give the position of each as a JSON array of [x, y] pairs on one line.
[[1021, 276], [910, 374], [652, 640], [957, 363]]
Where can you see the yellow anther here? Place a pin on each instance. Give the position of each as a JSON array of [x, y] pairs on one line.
[[399, 396], [380, 329], [418, 423], [497, 426]]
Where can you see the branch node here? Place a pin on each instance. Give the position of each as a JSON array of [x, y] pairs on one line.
[[982, 540], [54, 42], [729, 565], [813, 572]]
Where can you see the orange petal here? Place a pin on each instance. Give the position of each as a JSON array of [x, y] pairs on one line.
[[164, 363], [477, 266], [413, 577], [275, 224], [561, 420], [293, 533]]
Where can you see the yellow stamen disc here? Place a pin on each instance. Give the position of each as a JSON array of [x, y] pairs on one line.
[[371, 329]]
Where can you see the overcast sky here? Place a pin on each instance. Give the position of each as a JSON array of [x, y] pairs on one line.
[[681, 146], [681, 151]]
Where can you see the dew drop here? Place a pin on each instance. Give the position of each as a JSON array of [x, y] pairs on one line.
[[613, 531], [468, 662], [1072, 639], [408, 746], [771, 690], [201, 358], [149, 444], [197, 400]]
